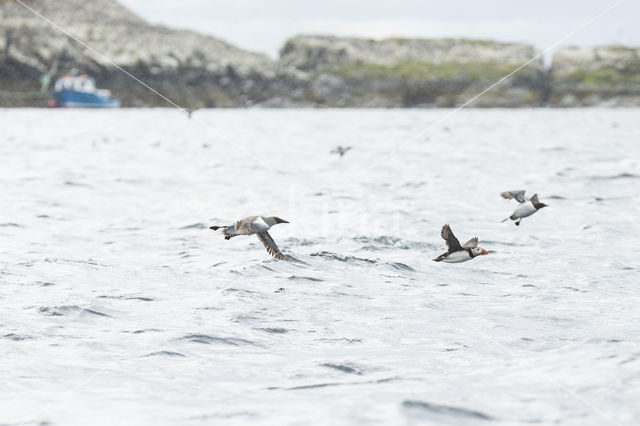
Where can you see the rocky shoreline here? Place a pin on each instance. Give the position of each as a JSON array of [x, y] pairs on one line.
[[197, 71]]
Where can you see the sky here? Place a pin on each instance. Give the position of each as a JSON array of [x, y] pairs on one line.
[[264, 25]]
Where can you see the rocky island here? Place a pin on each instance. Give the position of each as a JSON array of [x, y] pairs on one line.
[[605, 76], [189, 68], [411, 72], [196, 70]]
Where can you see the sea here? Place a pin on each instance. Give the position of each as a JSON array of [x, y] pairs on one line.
[[119, 306]]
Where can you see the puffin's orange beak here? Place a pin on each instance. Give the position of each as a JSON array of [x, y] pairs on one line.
[[484, 251]]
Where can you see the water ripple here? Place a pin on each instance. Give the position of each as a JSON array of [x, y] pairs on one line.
[[345, 368], [208, 340], [445, 410], [165, 353], [335, 256]]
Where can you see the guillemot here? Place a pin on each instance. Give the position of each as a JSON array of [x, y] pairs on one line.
[[258, 225], [526, 208], [458, 253]]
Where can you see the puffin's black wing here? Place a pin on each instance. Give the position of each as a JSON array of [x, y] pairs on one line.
[[450, 239], [270, 245]]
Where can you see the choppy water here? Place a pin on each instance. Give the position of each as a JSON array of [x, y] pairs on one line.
[[119, 306]]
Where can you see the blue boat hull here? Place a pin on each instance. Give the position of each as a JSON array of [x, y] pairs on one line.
[[72, 98]]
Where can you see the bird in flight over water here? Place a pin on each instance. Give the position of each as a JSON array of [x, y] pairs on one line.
[[258, 225], [341, 150], [526, 208], [457, 253]]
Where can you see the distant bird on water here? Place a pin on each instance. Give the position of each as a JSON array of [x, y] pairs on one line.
[[258, 225], [342, 150], [527, 207], [458, 253], [190, 111]]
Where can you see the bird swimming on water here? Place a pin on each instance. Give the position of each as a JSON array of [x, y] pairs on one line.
[[258, 225], [458, 253], [341, 150], [526, 208]]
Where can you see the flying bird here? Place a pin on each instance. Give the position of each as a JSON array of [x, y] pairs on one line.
[[258, 225], [526, 208], [341, 150], [190, 111], [458, 253]]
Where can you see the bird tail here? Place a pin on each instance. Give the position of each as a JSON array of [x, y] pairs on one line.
[[225, 231], [440, 258], [504, 220]]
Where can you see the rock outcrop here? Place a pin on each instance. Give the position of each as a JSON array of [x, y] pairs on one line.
[[195, 70], [605, 76], [412, 72], [190, 68]]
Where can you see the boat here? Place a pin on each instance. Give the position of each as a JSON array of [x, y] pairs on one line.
[[80, 91]]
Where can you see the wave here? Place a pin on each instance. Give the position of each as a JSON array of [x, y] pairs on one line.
[[624, 175], [330, 384], [78, 184], [290, 242], [299, 277], [165, 353], [340, 339], [274, 330], [209, 340], [141, 298], [57, 311], [338, 257], [445, 410], [401, 266], [16, 337], [383, 242], [147, 330], [198, 225], [345, 368]]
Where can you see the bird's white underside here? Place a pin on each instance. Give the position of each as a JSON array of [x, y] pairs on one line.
[[259, 225], [457, 257], [526, 209]]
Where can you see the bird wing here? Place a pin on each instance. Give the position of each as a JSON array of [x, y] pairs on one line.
[[270, 245], [450, 239], [472, 243], [518, 195], [243, 226], [259, 225], [534, 199]]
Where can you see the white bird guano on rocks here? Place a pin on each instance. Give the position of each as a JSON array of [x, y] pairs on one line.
[[258, 225]]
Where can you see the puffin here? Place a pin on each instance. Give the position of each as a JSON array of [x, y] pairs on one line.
[[458, 253], [341, 150], [526, 208], [258, 225]]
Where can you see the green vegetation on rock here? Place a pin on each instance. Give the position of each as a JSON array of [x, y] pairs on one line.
[[608, 75], [469, 41], [425, 71]]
